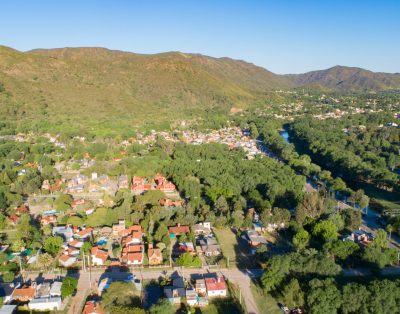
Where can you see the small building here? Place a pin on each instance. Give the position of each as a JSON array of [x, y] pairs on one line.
[[200, 287], [45, 304], [202, 228], [93, 307], [99, 256], [43, 290], [118, 228], [24, 293], [66, 260], [154, 255], [176, 291], [253, 238], [47, 220], [216, 287], [191, 297], [178, 230], [55, 290], [63, 231]]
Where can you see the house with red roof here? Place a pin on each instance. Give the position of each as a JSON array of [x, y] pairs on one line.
[[99, 256], [154, 255], [47, 220], [24, 293], [178, 230], [135, 258], [66, 260], [84, 234], [93, 307], [216, 286], [137, 185], [24, 209], [166, 202]]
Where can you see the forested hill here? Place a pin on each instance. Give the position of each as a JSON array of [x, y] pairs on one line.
[[347, 79], [100, 81], [96, 83]]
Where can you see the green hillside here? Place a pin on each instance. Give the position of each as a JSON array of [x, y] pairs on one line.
[[104, 90]]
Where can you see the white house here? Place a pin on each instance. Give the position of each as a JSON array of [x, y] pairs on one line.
[[45, 304], [216, 287]]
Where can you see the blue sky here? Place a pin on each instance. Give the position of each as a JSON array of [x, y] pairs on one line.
[[282, 36]]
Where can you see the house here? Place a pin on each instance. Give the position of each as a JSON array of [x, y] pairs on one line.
[[93, 307], [178, 230], [360, 236], [253, 238], [55, 290], [154, 255], [138, 185], [191, 297], [166, 202], [209, 247], [99, 256], [184, 247], [202, 228], [47, 220], [46, 185], [200, 286], [43, 290], [163, 184], [24, 293], [78, 202], [45, 304], [63, 231], [24, 209], [176, 291], [216, 287], [123, 182], [133, 258], [75, 244], [84, 234], [119, 227], [66, 260]]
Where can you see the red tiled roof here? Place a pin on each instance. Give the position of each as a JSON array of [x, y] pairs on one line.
[[131, 257], [179, 229], [98, 253], [214, 284], [92, 307]]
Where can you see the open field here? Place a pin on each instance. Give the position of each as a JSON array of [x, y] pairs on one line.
[[233, 249]]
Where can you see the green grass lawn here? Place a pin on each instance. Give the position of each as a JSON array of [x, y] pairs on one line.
[[233, 249]]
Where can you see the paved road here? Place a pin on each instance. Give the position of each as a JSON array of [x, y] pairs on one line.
[[242, 278]]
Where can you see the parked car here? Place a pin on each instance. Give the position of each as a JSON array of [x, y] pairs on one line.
[[284, 308]]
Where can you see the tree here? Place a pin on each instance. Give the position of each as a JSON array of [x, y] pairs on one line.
[[277, 269], [118, 309], [52, 245], [381, 239], [292, 294], [352, 218], [355, 298], [389, 228], [343, 249], [163, 306], [323, 296], [120, 294], [45, 261], [68, 286], [301, 239], [8, 276], [188, 260], [3, 201], [313, 206], [86, 247], [326, 230]]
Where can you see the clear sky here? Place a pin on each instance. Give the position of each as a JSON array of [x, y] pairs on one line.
[[283, 36]]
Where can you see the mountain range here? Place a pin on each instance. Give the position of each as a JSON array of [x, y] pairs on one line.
[[98, 81]]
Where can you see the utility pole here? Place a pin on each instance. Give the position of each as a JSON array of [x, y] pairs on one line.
[[90, 272]]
